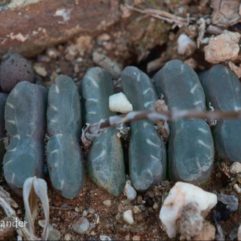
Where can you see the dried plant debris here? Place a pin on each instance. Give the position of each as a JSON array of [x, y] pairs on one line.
[[225, 12], [34, 188], [64, 156], [106, 161], [13, 69], [25, 124], [147, 155], [184, 210], [223, 91], [191, 150], [222, 47]]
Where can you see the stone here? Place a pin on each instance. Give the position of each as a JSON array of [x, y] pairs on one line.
[[25, 124], [239, 233], [107, 202], [13, 69], [119, 103], [147, 154], [64, 156], [128, 217], [82, 226], [235, 168], [105, 159], [190, 143], [129, 191], [40, 70], [207, 233], [226, 133], [185, 45], [180, 196], [222, 47], [136, 238], [105, 238]]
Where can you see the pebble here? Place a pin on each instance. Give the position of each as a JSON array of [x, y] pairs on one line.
[[40, 70], [235, 168], [185, 45], [182, 195], [81, 226], [77, 209], [136, 238], [119, 103], [228, 42], [128, 217], [107, 202], [237, 188], [136, 210], [208, 232], [105, 238], [239, 233], [67, 237], [129, 191]]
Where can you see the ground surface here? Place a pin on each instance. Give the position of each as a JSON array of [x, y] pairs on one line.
[[73, 58]]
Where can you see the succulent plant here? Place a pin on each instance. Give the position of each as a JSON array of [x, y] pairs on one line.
[[3, 98], [147, 154], [13, 69], [223, 90], [64, 155], [190, 145], [25, 124], [105, 161]]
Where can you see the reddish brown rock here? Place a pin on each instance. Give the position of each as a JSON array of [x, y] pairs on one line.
[[50, 22]]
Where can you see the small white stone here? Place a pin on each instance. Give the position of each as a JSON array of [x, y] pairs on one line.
[[105, 238], [129, 191], [81, 226], [107, 202], [185, 45], [128, 217], [181, 195], [119, 103], [237, 188], [239, 233], [235, 168]]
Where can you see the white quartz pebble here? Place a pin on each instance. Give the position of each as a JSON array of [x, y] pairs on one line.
[[119, 103], [181, 195]]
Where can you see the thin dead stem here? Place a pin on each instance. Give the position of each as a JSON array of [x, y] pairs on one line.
[[93, 130], [162, 15]]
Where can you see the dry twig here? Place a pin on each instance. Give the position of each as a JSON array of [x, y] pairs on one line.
[[93, 130], [162, 15]]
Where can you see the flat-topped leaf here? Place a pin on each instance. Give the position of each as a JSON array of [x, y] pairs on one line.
[[180, 86], [25, 123], [25, 110], [3, 98], [23, 159], [138, 88], [147, 154], [63, 113], [65, 164], [223, 90], [190, 144], [64, 156], [106, 163], [97, 86], [190, 151]]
